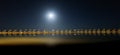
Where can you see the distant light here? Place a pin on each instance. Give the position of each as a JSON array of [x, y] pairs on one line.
[[51, 16]]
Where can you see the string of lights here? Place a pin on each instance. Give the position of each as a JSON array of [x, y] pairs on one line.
[[61, 32]]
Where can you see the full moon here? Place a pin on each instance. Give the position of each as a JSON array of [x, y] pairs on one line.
[[51, 16]]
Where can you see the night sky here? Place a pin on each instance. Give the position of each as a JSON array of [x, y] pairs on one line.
[[26, 14]]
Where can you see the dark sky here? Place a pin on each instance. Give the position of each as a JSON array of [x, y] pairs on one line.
[[25, 14]]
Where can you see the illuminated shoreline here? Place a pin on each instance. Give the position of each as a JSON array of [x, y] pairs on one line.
[[61, 32]]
